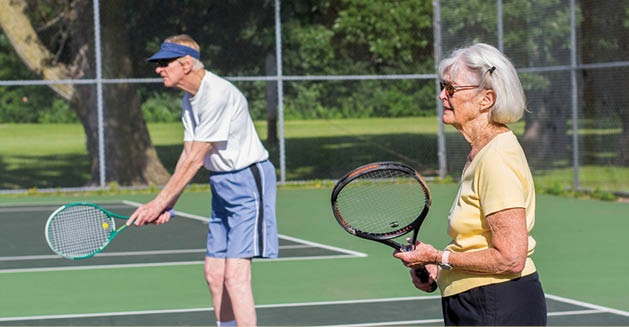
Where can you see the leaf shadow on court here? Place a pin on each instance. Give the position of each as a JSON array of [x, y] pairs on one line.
[[50, 171]]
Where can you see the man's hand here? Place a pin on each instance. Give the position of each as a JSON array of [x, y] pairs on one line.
[[150, 213]]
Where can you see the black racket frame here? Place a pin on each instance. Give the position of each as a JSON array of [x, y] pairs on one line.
[[386, 238]]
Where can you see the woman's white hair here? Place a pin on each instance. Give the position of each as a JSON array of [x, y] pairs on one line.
[[484, 65]]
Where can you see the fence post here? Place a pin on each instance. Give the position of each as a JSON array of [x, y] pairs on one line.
[[441, 139], [574, 96], [99, 94]]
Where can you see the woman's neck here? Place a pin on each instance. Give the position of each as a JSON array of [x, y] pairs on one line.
[[481, 135]]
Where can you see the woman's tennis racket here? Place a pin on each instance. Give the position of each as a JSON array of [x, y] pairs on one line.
[[381, 201], [80, 230]]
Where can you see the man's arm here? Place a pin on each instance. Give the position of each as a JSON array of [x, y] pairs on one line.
[[182, 157], [189, 163]]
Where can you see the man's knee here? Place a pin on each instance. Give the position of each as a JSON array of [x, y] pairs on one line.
[[214, 271], [237, 274]]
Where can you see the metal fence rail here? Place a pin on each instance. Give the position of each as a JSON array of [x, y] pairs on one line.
[[565, 75]]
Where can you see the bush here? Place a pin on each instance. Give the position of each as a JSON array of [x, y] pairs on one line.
[[162, 108]]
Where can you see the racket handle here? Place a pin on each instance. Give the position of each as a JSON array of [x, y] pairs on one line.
[[424, 276]]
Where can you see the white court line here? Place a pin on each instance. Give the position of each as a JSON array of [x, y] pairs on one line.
[[288, 238], [391, 323], [163, 264], [209, 309], [205, 220], [102, 254], [303, 304], [177, 213], [305, 244], [49, 207], [574, 313], [129, 253], [588, 305], [319, 245]]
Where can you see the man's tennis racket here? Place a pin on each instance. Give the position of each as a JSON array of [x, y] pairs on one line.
[[381, 201], [80, 230]]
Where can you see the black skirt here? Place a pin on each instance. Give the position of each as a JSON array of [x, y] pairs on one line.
[[518, 302]]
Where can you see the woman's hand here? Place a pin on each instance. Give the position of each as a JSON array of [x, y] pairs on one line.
[[422, 254], [433, 272]]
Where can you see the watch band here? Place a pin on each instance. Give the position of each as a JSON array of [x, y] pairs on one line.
[[445, 264]]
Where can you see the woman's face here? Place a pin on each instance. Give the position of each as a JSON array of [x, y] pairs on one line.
[[460, 100]]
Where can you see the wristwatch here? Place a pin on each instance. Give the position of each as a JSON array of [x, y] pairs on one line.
[[444, 264]]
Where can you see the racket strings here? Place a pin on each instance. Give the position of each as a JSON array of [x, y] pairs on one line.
[[382, 202], [79, 231]]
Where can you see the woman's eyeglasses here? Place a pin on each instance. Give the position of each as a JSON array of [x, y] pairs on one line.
[[450, 89]]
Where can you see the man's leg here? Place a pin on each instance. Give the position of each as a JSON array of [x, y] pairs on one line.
[[215, 277], [238, 285]]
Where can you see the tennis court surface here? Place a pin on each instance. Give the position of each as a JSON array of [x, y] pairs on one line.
[[153, 276]]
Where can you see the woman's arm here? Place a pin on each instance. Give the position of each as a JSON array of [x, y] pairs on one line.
[[508, 248], [506, 254]]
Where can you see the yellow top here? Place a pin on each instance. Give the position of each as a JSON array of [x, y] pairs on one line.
[[498, 178]]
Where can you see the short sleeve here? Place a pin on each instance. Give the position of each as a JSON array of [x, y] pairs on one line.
[[187, 118], [214, 119], [500, 184]]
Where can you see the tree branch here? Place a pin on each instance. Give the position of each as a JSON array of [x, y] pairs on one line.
[[19, 30]]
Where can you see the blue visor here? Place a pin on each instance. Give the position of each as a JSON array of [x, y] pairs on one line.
[[173, 50]]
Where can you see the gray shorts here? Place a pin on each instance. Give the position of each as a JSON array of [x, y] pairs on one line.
[[243, 223]]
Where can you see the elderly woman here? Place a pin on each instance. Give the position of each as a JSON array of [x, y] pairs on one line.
[[485, 274]]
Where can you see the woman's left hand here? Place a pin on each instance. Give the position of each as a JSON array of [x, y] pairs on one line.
[[422, 254]]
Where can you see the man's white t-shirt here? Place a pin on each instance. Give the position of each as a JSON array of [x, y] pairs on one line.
[[219, 114]]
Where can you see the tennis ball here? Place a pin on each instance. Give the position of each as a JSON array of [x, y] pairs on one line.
[[105, 225]]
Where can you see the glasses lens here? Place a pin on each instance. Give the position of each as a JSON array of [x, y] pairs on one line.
[[163, 63], [449, 88]]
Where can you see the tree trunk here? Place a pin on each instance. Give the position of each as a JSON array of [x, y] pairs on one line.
[[545, 137], [130, 156], [604, 90], [17, 28]]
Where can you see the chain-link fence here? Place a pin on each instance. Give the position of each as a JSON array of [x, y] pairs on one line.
[[338, 112]]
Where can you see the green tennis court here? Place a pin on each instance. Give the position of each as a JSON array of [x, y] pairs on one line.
[[324, 277]]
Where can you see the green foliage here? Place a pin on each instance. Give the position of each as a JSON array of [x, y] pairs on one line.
[[311, 49], [603, 195], [33, 105], [358, 37], [395, 34], [27, 104], [359, 99], [58, 113], [162, 108], [556, 188], [320, 37]]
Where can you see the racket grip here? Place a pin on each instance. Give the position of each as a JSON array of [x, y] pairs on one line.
[[424, 276]]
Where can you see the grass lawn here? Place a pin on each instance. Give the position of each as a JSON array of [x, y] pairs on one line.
[[54, 156]]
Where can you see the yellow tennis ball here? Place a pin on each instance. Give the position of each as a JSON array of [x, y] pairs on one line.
[[105, 225]]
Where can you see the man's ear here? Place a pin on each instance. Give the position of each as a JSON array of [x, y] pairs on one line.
[[186, 64], [488, 100]]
